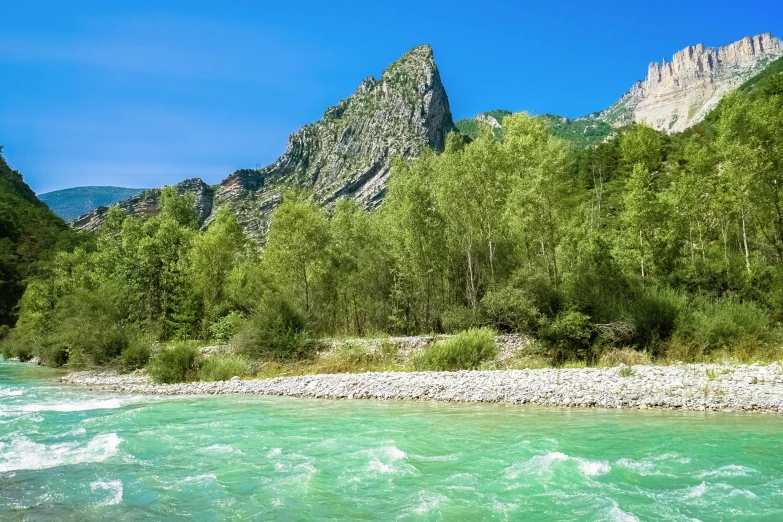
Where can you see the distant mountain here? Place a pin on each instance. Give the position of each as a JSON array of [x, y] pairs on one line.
[[348, 153], [71, 203], [678, 94]]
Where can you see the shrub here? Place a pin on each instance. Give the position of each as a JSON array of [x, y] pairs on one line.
[[567, 337], [465, 351], [510, 309], [135, 356], [277, 331], [226, 327], [655, 314], [457, 318], [177, 363], [725, 323], [223, 368]]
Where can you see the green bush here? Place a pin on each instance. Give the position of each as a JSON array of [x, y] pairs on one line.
[[177, 363], [223, 368], [725, 323], [277, 330], [567, 337], [465, 351], [511, 309], [226, 327], [135, 356], [655, 314], [458, 318]]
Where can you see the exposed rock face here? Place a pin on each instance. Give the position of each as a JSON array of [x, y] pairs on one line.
[[680, 93], [147, 204], [347, 153]]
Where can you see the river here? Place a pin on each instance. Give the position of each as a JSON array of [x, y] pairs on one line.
[[67, 453]]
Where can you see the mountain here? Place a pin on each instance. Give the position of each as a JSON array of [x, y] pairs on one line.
[[678, 94], [674, 96], [29, 231], [74, 202], [348, 153], [146, 204]]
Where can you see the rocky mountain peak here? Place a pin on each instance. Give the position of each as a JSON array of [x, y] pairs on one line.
[[348, 152], [679, 93]]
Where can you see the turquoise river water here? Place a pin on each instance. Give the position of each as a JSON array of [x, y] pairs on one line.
[[67, 453]]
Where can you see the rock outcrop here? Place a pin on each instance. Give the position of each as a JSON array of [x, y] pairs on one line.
[[680, 93], [348, 153], [147, 204]]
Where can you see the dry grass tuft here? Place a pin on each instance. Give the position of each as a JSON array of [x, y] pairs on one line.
[[626, 356]]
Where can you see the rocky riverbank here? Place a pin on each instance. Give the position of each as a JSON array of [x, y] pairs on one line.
[[682, 386]]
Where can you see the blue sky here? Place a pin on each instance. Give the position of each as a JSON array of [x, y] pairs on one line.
[[145, 93]]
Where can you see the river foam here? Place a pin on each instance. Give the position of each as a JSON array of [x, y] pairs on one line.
[[24, 454]]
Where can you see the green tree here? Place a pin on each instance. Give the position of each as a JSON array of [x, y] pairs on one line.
[[296, 248]]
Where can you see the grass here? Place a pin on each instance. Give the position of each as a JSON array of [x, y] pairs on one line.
[[224, 367], [465, 351]]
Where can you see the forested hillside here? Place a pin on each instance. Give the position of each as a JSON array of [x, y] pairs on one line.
[[29, 232], [670, 245]]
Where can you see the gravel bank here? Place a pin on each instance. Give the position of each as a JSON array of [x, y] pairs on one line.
[[683, 386]]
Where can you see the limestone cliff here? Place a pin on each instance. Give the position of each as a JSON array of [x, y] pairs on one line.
[[679, 93], [347, 153]]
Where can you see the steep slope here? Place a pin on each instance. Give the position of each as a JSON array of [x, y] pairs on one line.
[[29, 231], [147, 204], [678, 94], [74, 202], [347, 153]]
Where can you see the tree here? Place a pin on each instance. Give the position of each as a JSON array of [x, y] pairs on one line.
[[296, 248], [210, 260]]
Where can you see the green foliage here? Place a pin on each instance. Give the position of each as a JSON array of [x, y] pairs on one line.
[[136, 355], [582, 132], [511, 309], [224, 367], [724, 323], [464, 351], [655, 314], [226, 327], [276, 330], [179, 362], [458, 318], [29, 236], [670, 246], [296, 249], [568, 336]]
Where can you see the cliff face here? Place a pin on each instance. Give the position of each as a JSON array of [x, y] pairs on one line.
[[680, 93], [147, 204], [347, 153]]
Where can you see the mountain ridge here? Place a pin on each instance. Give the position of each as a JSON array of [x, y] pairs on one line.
[[678, 94], [347, 153], [73, 202]]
